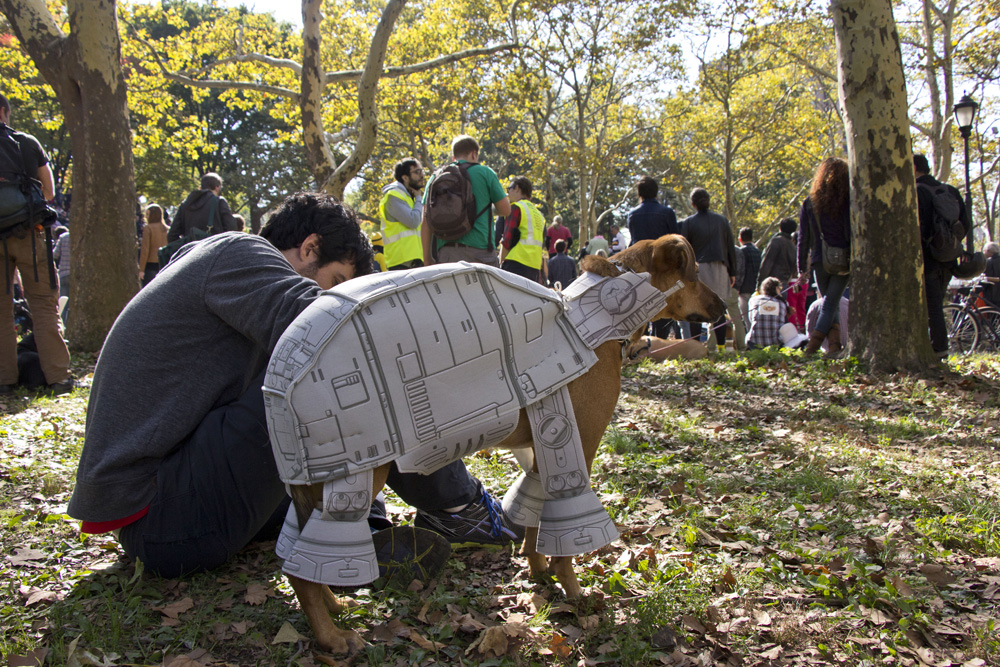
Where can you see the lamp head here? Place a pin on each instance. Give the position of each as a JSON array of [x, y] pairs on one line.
[[965, 114]]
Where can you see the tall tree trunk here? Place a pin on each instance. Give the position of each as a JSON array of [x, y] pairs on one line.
[[889, 325], [84, 70]]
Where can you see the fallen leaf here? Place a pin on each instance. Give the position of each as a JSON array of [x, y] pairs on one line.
[[492, 642], [901, 586], [27, 557], [425, 643], [239, 627], [175, 609], [772, 654], [182, 661], [728, 581], [558, 646], [762, 618], [877, 617], [693, 624], [665, 638], [937, 574], [34, 658], [287, 635], [256, 594], [38, 595], [733, 624]]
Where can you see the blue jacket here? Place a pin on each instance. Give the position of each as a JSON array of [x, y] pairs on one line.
[[651, 220]]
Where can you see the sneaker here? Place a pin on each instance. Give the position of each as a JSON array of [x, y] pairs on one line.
[[60, 388], [405, 553], [481, 522]]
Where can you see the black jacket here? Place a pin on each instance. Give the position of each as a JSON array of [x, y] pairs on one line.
[[779, 259]]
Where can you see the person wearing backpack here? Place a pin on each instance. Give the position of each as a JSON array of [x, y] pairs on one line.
[[25, 249], [943, 222], [205, 209], [458, 223], [522, 247]]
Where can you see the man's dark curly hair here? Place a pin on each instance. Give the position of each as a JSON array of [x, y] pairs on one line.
[[308, 213]]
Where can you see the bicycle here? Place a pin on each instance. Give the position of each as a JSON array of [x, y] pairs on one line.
[[973, 324]]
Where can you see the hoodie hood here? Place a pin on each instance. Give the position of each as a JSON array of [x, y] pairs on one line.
[[398, 187], [199, 199]]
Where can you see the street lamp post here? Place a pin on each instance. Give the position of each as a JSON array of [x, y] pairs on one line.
[[965, 114]]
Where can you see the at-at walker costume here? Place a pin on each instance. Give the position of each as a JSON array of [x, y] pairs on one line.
[[426, 366]]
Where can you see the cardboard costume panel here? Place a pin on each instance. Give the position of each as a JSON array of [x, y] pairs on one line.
[[426, 366]]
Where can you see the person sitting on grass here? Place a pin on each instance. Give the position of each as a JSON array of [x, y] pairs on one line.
[[188, 480], [767, 311]]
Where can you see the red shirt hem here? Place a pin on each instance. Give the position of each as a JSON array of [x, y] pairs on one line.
[[95, 527]]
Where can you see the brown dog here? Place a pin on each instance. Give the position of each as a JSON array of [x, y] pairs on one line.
[[668, 260]]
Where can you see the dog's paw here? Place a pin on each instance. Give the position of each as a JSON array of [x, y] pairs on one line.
[[342, 642]]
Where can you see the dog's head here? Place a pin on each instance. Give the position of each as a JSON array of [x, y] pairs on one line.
[[667, 259]]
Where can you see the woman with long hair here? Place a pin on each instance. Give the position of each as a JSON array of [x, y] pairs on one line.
[[825, 218], [154, 235]]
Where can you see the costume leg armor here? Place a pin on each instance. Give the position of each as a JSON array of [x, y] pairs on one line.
[[524, 499], [573, 520], [335, 546]]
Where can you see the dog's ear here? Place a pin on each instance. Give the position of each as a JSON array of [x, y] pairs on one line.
[[672, 254], [598, 265]]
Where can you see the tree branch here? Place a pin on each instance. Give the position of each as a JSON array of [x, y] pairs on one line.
[[210, 83], [344, 76]]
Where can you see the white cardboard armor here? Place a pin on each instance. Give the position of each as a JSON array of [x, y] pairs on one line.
[[424, 367]]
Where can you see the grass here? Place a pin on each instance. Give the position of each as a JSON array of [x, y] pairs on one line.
[[771, 509]]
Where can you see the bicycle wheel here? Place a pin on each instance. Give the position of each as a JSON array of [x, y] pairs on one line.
[[989, 330], [963, 332]]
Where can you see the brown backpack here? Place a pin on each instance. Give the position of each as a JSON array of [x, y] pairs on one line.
[[450, 210]]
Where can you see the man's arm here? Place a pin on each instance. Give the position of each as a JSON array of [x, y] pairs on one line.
[[511, 226], [503, 206], [229, 222], [177, 228], [48, 183], [399, 211], [766, 260], [427, 241]]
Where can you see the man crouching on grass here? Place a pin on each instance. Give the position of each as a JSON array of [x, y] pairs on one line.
[[176, 458]]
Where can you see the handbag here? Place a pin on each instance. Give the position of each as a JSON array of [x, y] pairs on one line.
[[836, 261]]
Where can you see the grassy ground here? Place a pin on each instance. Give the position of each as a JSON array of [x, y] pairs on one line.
[[772, 512]]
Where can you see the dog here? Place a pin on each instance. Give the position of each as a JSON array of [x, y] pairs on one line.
[[672, 269], [661, 349]]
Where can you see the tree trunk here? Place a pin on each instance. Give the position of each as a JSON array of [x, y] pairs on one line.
[[84, 69], [889, 325]]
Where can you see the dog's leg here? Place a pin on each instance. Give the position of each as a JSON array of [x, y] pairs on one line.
[[562, 568], [594, 397], [317, 601]]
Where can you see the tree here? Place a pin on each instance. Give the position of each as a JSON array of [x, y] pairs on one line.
[[83, 67], [334, 157], [888, 308]]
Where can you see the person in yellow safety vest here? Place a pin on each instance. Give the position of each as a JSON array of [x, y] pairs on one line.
[[522, 247], [399, 212], [378, 260]]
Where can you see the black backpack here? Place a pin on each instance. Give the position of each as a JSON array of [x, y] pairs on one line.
[[450, 211], [947, 232], [22, 203]]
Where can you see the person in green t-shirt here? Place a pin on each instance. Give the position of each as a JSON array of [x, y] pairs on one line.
[[478, 245]]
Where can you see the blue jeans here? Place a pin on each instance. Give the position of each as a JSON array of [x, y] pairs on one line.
[[831, 288]]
